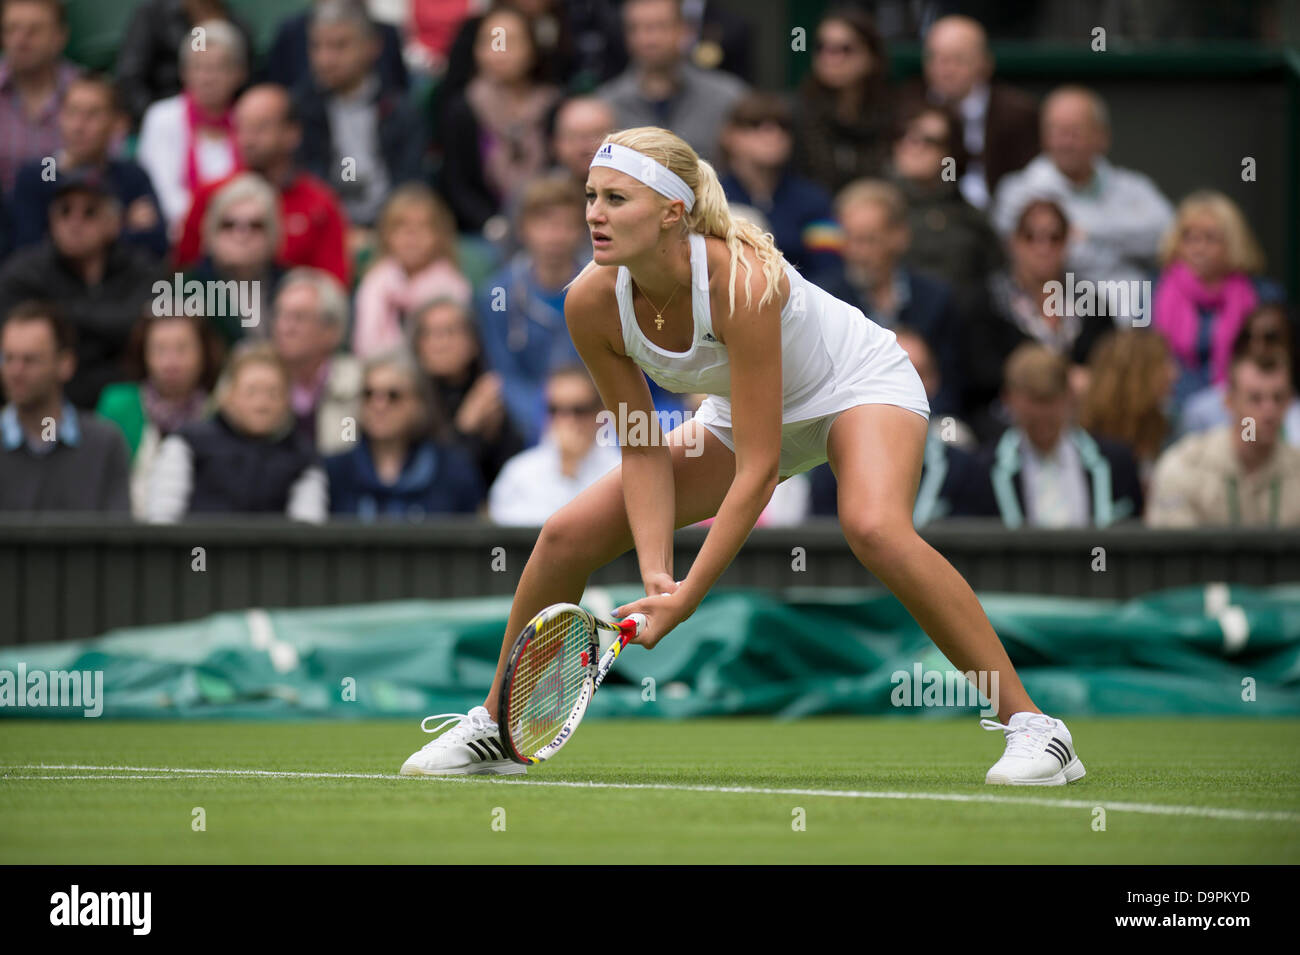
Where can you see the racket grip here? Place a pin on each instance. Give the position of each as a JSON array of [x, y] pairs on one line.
[[640, 620]]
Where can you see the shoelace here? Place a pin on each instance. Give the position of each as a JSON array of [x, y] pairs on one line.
[[467, 724], [1027, 739]]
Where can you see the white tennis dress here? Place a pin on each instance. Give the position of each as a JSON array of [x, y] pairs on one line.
[[832, 358]]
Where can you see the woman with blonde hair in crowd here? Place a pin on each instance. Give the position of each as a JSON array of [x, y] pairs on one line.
[[680, 290], [1208, 287], [417, 264], [1131, 376]]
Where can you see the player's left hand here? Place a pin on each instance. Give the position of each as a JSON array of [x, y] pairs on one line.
[[663, 613]]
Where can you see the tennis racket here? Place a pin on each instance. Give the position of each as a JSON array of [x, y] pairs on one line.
[[554, 670]]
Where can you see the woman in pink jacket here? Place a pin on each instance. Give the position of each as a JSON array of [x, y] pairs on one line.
[[417, 239], [1207, 288]]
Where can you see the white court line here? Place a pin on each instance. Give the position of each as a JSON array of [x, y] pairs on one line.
[[1150, 809], [111, 776]]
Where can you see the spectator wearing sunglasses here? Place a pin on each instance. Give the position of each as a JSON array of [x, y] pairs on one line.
[[756, 147], [950, 237], [100, 283], [845, 109], [1018, 310], [401, 467], [90, 119], [537, 483], [241, 231], [268, 132]]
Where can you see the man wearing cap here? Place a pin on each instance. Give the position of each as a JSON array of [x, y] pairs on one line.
[[101, 285], [89, 119]]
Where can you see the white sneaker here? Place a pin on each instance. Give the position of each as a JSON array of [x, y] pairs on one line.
[[1039, 752], [472, 747]]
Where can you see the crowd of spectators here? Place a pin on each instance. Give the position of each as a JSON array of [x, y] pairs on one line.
[[328, 278]]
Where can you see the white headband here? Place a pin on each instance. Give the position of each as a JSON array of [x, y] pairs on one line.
[[644, 169]]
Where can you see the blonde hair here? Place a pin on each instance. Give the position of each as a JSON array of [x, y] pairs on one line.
[[411, 196], [711, 215], [1125, 395], [1244, 253], [872, 192], [249, 353]]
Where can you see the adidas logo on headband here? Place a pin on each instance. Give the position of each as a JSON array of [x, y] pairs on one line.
[[645, 170]]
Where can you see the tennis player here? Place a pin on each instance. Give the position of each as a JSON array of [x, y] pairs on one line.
[[705, 303]]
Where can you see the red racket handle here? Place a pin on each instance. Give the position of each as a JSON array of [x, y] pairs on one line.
[[631, 626]]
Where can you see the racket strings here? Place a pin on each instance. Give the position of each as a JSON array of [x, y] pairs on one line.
[[548, 679]]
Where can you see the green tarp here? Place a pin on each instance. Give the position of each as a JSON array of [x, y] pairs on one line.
[[787, 653]]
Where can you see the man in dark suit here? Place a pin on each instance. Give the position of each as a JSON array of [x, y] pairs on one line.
[[357, 135], [288, 63], [1046, 471], [1001, 122]]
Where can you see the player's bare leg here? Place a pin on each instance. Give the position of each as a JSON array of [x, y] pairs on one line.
[[876, 451], [592, 530], [588, 532]]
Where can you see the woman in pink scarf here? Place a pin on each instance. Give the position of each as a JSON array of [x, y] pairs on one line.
[[187, 141], [1207, 288]]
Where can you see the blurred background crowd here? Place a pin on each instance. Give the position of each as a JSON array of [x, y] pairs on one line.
[[365, 230]]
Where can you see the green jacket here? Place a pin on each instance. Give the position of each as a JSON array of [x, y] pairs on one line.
[[120, 402]]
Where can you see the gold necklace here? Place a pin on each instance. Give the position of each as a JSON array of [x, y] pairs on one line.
[[659, 312]]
